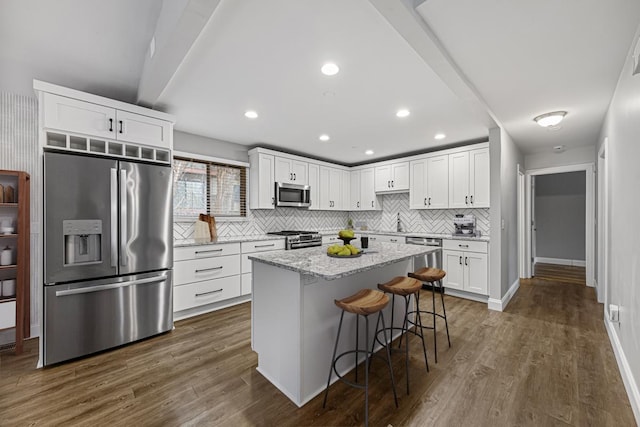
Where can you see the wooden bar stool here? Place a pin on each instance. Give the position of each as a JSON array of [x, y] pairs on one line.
[[432, 276], [363, 303], [404, 287]]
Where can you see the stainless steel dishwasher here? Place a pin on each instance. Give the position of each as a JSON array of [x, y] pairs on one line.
[[433, 259]]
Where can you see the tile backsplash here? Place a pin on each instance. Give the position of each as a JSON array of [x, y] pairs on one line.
[[419, 221]]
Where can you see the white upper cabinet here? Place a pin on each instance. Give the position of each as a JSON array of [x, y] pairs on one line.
[[363, 196], [73, 115], [479, 178], [393, 177], [291, 171], [345, 186], [469, 179], [438, 182], [429, 183], [261, 181], [314, 183], [330, 188]]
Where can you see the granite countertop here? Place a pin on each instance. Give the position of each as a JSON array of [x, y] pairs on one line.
[[315, 261], [230, 239], [410, 234]]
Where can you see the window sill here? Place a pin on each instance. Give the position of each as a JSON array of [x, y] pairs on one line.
[[218, 219]]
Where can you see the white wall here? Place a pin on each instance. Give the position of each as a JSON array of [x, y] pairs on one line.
[[573, 156], [560, 215], [510, 157], [197, 144], [622, 127]]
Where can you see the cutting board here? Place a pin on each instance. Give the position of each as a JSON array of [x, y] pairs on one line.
[[211, 221], [9, 194]]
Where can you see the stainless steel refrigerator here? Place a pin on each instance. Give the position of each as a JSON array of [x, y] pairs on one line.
[[108, 253]]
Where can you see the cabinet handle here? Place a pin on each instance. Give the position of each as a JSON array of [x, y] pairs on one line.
[[465, 261], [429, 201], [120, 122], [425, 201], [463, 246], [372, 203], [392, 184], [295, 177], [273, 201], [393, 240], [110, 125], [471, 199], [466, 200], [358, 205], [264, 246], [388, 184], [208, 251], [460, 260], [210, 292], [209, 269]]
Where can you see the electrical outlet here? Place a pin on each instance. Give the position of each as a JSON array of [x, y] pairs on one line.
[[614, 313]]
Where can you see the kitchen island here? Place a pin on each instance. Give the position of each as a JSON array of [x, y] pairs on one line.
[[294, 319]]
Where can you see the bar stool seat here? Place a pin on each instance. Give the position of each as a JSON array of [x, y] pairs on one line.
[[363, 303], [434, 277], [404, 287]]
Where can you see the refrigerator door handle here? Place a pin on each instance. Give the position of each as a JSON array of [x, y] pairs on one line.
[[110, 286], [114, 217], [123, 217]]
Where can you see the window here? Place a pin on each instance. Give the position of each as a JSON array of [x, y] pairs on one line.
[[206, 187]]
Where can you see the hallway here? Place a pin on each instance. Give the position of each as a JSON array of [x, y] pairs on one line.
[[545, 361]]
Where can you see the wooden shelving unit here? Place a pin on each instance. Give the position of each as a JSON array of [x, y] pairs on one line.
[[18, 211]]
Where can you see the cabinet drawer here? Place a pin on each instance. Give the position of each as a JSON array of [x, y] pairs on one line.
[[197, 270], [262, 245], [246, 286], [465, 245], [205, 251], [207, 292]]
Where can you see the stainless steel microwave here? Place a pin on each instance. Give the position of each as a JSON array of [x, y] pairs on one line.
[[293, 195]]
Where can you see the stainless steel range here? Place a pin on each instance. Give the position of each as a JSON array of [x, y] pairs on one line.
[[296, 239]]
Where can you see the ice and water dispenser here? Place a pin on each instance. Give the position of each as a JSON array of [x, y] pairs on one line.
[[82, 241]]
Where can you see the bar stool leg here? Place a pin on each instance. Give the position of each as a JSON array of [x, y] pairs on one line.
[[405, 330], [357, 341], [444, 310], [386, 346], [419, 323], [335, 349], [366, 373], [433, 305]]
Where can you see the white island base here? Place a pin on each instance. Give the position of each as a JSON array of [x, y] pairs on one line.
[[295, 321]]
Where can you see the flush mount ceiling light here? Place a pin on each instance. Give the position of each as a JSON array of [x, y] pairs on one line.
[[330, 69], [251, 114], [403, 113], [324, 137], [550, 119], [369, 152], [440, 136], [559, 149]]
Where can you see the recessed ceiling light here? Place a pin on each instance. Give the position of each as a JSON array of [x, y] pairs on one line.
[[403, 113], [330, 69], [324, 137], [440, 136], [251, 114], [550, 119], [369, 152]]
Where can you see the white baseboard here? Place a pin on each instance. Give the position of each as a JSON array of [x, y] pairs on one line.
[[561, 261], [35, 331], [501, 304], [465, 295], [625, 370]]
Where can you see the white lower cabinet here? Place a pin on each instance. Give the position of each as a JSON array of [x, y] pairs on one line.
[[246, 264], [385, 238], [201, 293], [466, 264]]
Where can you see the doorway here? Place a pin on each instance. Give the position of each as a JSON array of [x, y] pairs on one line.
[[602, 226], [558, 234]]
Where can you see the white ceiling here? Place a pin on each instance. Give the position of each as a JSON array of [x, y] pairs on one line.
[[266, 56], [531, 57], [92, 45], [521, 59]]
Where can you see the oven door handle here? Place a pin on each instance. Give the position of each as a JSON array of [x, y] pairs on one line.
[[110, 286]]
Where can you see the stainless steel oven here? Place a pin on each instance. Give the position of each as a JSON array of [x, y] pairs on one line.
[[293, 195]]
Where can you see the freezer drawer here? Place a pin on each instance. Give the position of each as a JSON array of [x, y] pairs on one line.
[[83, 318]]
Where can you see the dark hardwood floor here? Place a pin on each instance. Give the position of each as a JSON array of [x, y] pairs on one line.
[[560, 273], [545, 361]]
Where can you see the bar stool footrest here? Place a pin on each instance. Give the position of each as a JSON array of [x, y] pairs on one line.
[[346, 353]]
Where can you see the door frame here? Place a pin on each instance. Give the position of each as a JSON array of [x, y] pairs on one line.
[[589, 169], [602, 225], [522, 235]]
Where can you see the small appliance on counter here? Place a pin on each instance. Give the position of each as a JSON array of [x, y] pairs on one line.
[[296, 239], [465, 225]]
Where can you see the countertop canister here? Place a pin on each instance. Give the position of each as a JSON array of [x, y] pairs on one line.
[[6, 257]]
